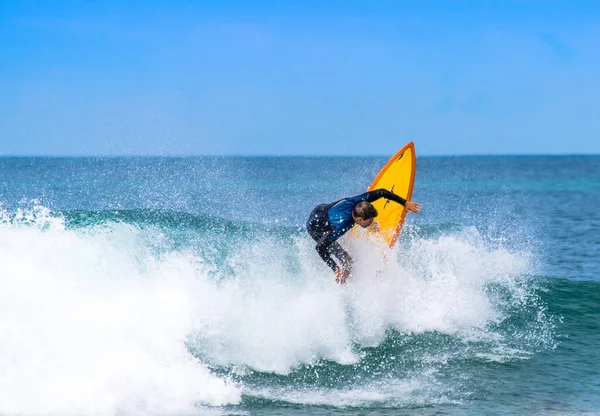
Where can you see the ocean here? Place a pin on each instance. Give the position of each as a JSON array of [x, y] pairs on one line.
[[183, 286]]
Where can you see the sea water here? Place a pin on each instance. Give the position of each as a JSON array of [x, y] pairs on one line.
[[178, 286]]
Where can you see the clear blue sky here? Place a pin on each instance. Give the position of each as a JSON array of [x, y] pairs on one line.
[[299, 77]]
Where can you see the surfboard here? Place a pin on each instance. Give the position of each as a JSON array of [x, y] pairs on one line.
[[397, 176]]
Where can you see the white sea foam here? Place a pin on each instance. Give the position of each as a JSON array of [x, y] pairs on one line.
[[430, 285], [91, 322], [270, 319], [387, 393]]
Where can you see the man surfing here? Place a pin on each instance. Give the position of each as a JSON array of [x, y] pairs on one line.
[[328, 222]]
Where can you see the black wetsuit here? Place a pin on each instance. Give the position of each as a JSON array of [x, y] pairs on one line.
[[328, 222]]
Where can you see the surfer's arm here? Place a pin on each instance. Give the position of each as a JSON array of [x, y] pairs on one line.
[[384, 193], [322, 248]]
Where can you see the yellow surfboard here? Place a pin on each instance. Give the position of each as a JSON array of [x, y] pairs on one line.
[[397, 176]]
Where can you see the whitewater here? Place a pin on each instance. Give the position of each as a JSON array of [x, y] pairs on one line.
[[102, 319], [124, 291]]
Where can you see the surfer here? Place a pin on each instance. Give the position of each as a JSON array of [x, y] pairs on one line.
[[328, 222]]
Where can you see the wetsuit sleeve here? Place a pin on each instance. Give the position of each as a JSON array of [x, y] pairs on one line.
[[384, 193], [322, 248]]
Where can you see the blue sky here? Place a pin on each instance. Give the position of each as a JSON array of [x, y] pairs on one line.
[[299, 77]]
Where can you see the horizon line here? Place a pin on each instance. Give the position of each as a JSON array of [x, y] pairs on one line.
[[182, 156]]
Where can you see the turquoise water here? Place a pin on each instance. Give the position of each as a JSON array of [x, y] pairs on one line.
[[188, 286]]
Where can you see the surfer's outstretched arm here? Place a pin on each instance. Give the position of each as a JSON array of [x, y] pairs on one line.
[[384, 193]]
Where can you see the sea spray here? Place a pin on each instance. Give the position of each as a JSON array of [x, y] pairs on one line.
[[132, 313], [519, 233], [90, 324]]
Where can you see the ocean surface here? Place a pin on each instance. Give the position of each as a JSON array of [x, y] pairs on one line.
[[184, 286]]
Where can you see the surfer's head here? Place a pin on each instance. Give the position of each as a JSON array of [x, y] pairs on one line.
[[364, 213]]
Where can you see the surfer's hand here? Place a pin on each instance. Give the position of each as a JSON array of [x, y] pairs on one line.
[[413, 206], [340, 276]]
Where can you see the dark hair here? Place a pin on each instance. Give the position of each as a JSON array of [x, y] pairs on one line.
[[364, 210]]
